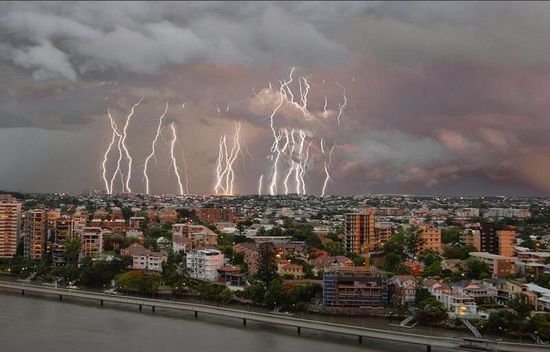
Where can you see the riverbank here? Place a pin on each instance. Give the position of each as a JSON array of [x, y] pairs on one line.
[[271, 319], [384, 323], [44, 323]]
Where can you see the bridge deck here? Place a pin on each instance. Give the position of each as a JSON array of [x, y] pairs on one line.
[[361, 332]]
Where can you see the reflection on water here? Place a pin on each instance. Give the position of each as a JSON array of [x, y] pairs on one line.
[[43, 324]]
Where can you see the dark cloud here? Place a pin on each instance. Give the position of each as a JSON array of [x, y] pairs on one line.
[[440, 95]]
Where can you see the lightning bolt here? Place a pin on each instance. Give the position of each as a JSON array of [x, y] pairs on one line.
[[260, 184], [327, 174], [304, 92], [283, 150], [173, 157], [303, 169], [220, 166], [108, 188], [185, 166], [295, 166], [341, 106], [234, 154], [225, 172], [119, 147], [159, 126], [298, 175], [275, 146], [126, 152]]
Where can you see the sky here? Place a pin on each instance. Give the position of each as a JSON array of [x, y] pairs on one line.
[[446, 98]]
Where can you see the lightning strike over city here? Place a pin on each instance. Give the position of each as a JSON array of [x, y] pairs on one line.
[[114, 135], [125, 147], [326, 168], [152, 154], [173, 158], [225, 165], [322, 166]]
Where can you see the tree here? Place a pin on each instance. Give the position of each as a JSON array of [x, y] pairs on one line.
[[461, 253], [72, 249], [335, 248], [433, 269], [275, 295], [136, 281], [541, 324], [225, 296], [299, 295], [393, 253], [255, 292], [430, 309], [267, 264], [261, 231], [127, 213], [413, 241], [450, 235], [474, 269], [96, 273]]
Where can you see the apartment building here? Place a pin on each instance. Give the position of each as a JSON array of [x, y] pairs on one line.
[[137, 222], [359, 231], [144, 259], [383, 231], [92, 241], [35, 227], [168, 215], [62, 231], [472, 237], [10, 219], [500, 265], [80, 219], [499, 240], [359, 288], [215, 214], [251, 254], [204, 263], [431, 238], [200, 236]]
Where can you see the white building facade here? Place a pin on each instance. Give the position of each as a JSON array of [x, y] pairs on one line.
[[204, 263]]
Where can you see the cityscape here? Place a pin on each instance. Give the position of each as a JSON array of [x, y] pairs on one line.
[[250, 176], [480, 265]]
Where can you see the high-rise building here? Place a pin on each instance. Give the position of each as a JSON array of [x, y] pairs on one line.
[[382, 234], [35, 226], [62, 231], [472, 237], [497, 239], [10, 218], [92, 241], [431, 238], [80, 218], [359, 231]]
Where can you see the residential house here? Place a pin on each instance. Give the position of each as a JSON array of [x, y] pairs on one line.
[[402, 289]]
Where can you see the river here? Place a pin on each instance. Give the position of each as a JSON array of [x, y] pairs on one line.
[[38, 323]]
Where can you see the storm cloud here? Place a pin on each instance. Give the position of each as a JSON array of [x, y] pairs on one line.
[[442, 97]]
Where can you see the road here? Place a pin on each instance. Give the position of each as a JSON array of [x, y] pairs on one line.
[[297, 323]]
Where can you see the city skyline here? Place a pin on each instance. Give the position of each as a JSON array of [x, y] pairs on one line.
[[417, 98]]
